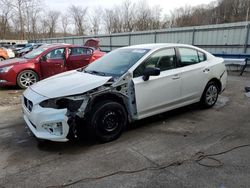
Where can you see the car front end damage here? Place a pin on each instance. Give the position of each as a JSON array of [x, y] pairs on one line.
[[45, 123], [57, 119]]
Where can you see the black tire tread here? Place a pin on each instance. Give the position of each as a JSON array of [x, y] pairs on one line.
[[91, 118]]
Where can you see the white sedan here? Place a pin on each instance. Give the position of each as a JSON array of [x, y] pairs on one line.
[[127, 84]]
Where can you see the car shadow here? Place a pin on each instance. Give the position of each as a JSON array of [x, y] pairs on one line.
[[151, 121], [85, 143], [5, 88]]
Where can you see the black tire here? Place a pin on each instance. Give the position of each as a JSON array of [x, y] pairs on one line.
[[107, 121], [1, 59], [210, 95], [26, 78]]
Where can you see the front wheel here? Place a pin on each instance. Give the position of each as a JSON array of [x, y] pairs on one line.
[[26, 78], [210, 95], [107, 120]]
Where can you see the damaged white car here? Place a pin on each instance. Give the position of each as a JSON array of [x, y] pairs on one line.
[[125, 85]]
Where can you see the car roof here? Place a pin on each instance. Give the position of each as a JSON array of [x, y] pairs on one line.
[[159, 45], [58, 45], [55, 45]]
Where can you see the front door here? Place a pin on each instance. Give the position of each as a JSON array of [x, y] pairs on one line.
[[54, 63], [159, 93]]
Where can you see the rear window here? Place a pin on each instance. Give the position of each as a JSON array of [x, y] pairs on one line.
[[80, 51], [202, 56], [191, 56]]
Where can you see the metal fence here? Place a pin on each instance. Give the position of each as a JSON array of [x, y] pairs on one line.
[[230, 38]]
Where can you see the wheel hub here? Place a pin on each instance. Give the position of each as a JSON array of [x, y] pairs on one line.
[[110, 122], [27, 79], [211, 95]]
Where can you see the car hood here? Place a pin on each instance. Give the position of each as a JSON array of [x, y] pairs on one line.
[[14, 61], [69, 83]]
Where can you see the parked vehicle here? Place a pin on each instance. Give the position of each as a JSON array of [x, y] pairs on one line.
[[125, 85], [6, 53], [10, 52], [44, 62], [17, 47], [28, 49], [5, 45], [3, 54]]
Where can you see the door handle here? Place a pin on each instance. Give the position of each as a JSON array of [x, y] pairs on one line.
[[176, 77], [206, 70], [59, 64]]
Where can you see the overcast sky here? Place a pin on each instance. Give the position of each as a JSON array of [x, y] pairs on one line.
[[166, 5]]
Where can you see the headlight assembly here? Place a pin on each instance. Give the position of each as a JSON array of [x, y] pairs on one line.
[[61, 103]]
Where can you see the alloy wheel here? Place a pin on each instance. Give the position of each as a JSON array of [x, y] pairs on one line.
[[27, 78], [211, 95]]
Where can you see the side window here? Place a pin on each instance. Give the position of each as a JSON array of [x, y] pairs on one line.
[[80, 51], [56, 54], [188, 56], [202, 56], [163, 59]]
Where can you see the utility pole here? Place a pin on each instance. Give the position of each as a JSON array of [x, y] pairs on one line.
[[247, 33]]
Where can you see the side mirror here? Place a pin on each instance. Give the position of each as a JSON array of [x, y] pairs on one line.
[[43, 58], [150, 71]]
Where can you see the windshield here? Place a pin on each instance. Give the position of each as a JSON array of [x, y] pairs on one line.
[[116, 63], [35, 52]]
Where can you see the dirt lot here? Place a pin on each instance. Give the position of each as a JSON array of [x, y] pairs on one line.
[[169, 150]]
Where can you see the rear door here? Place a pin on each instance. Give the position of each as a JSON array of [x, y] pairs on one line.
[[194, 73], [54, 63], [78, 57]]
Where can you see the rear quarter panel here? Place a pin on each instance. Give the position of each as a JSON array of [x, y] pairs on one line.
[[217, 70]]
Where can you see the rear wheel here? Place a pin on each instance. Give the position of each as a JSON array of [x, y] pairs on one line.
[[107, 121], [26, 78], [210, 95]]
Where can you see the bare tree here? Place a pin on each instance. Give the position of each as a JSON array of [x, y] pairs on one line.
[[108, 20], [95, 20], [52, 21], [78, 15], [113, 21], [33, 9], [26, 19], [43, 28], [65, 24], [19, 17], [155, 18], [143, 16], [5, 12], [128, 14]]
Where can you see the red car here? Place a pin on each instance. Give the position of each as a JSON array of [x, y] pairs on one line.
[[47, 61]]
